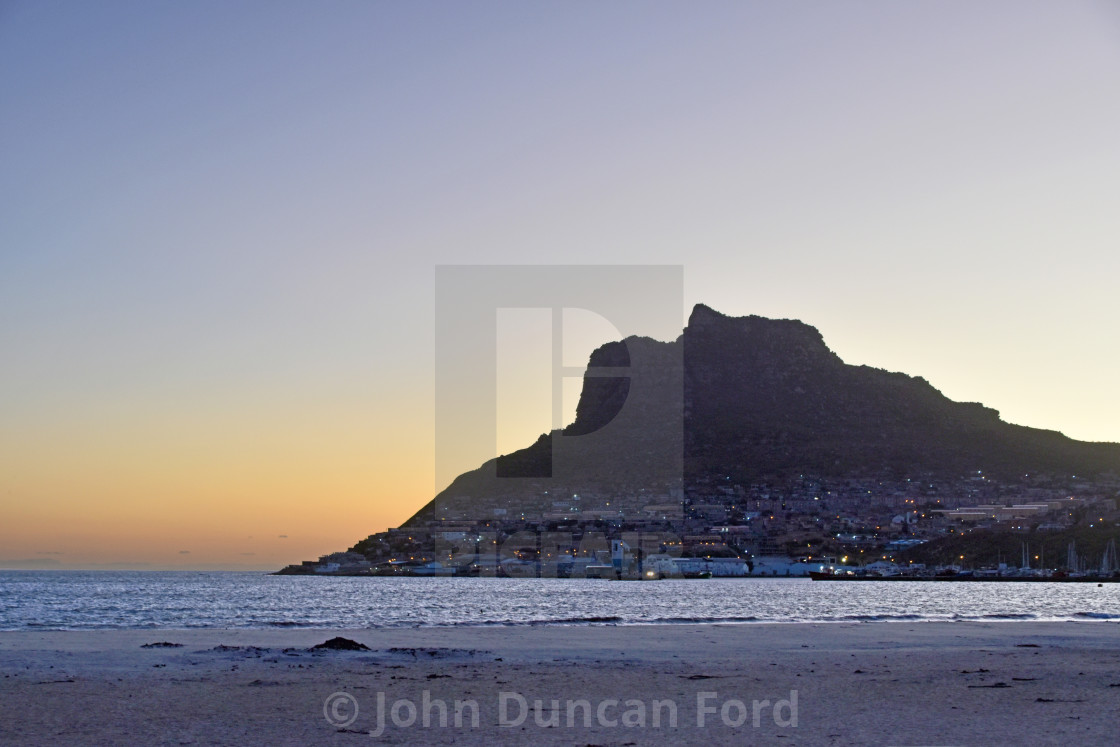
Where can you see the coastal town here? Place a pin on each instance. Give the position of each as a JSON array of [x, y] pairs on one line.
[[717, 528]]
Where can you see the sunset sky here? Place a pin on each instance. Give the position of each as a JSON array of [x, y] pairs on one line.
[[220, 223]]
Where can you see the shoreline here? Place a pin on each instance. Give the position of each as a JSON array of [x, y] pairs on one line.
[[592, 622], [902, 682], [519, 635]]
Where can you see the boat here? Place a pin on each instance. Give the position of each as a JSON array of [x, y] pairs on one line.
[[697, 574]]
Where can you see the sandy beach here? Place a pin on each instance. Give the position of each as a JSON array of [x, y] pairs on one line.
[[808, 684]]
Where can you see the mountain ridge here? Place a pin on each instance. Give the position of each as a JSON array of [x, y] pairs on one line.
[[763, 399]]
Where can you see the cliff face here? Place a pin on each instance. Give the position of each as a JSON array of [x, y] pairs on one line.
[[768, 397], [752, 398]]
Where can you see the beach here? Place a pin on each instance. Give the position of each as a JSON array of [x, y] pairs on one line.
[[879, 683]]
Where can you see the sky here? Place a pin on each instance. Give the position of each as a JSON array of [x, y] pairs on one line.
[[220, 223]]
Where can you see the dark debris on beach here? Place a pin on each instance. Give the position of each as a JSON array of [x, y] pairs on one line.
[[338, 643]]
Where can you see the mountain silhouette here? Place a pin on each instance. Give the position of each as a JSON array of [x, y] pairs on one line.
[[749, 399]]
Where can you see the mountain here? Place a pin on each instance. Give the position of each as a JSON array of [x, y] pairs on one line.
[[770, 396], [749, 399]]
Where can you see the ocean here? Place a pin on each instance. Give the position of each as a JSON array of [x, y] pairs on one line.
[[88, 600]]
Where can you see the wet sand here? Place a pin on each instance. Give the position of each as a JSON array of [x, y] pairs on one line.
[[964, 683]]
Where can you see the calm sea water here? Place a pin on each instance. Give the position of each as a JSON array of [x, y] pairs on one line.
[[136, 599]]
